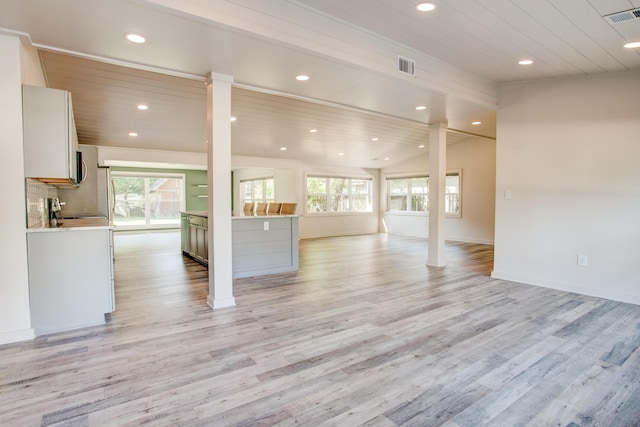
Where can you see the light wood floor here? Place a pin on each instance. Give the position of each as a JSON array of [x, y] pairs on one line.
[[363, 334]]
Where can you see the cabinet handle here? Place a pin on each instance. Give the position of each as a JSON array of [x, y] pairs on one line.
[[85, 171]]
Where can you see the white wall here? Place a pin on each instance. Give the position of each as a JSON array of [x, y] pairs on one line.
[[160, 159], [313, 226], [285, 183], [15, 319], [569, 152], [476, 157]]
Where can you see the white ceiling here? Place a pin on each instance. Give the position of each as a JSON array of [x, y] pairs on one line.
[[463, 51], [488, 37]]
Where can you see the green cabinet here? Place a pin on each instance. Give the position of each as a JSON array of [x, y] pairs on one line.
[[194, 236]]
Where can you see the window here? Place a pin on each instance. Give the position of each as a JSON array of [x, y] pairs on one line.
[[147, 200], [408, 194], [327, 194], [411, 194], [452, 194], [257, 190]]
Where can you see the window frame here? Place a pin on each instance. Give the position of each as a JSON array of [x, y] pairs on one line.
[[450, 172], [263, 179], [147, 176], [350, 194]]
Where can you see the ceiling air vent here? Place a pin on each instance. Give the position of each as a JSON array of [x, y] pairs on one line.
[[407, 66], [627, 15]]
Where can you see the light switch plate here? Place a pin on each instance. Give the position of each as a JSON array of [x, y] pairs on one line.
[[266, 226]]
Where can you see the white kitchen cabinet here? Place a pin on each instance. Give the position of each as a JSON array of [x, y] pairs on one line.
[[70, 278], [50, 138]]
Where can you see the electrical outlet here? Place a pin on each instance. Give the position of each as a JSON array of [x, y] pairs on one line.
[[266, 226], [582, 260], [507, 194]]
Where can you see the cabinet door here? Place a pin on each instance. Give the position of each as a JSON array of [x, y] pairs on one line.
[[112, 287], [202, 243], [184, 233], [193, 239], [69, 279], [50, 141]]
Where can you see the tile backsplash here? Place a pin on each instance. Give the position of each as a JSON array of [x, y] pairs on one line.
[[37, 195]]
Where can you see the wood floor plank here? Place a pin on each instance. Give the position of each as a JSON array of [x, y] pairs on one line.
[[363, 334]]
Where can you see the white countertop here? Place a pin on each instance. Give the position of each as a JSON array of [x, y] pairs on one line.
[[206, 215], [76, 224], [257, 216]]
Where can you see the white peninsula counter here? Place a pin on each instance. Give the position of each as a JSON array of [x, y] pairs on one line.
[[264, 244], [261, 244]]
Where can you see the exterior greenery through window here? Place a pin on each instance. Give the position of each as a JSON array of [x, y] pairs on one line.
[[258, 190], [411, 194], [147, 200], [330, 194]]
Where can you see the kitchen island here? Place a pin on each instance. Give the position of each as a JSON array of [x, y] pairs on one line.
[[261, 244]]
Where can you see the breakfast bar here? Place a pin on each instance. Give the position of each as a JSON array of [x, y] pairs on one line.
[[261, 244]]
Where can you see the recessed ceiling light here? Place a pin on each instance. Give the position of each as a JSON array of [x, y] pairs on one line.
[[421, 146], [283, 148], [340, 154], [476, 122], [525, 62], [302, 77], [143, 107], [233, 119], [387, 158], [135, 38], [421, 107], [313, 130], [374, 139], [632, 45], [425, 7], [133, 133]]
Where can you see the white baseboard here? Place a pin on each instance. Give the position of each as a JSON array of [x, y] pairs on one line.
[[478, 241], [568, 287], [220, 302], [448, 239], [17, 336]]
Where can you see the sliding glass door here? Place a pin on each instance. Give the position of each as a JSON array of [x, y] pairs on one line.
[[147, 200]]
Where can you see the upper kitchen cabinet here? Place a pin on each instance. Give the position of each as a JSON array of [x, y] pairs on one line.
[[50, 138]]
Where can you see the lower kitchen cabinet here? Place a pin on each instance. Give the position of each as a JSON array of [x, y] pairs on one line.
[[70, 278], [195, 239]]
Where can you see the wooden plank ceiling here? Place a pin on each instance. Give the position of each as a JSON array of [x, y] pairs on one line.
[[105, 99]]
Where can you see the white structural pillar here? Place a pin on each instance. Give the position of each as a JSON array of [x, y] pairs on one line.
[[219, 180], [437, 180], [15, 315]]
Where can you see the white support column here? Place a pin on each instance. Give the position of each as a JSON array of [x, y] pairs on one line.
[[15, 315], [437, 178], [219, 179]]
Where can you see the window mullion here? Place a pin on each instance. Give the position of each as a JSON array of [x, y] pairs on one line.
[[147, 204], [327, 194]]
